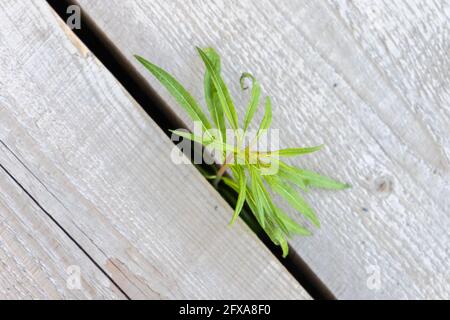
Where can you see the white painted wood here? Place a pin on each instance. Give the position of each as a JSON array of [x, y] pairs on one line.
[[370, 79], [37, 260], [90, 156]]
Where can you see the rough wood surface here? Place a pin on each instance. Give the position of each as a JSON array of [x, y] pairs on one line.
[[79, 144], [37, 260], [371, 80]]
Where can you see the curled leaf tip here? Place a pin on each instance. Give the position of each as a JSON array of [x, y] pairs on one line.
[[244, 76]]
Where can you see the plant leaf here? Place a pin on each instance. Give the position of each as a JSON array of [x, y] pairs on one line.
[[254, 100], [192, 137], [212, 143], [292, 226], [267, 119], [211, 96], [259, 196], [269, 227], [222, 90], [294, 199], [239, 174], [279, 239], [250, 198], [263, 195], [313, 179], [280, 223], [181, 95], [231, 183], [283, 220], [291, 152], [285, 172]]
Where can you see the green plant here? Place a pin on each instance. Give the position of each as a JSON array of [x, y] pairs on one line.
[[249, 167]]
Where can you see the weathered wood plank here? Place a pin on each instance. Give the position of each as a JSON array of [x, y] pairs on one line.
[[381, 109], [102, 169], [37, 260]]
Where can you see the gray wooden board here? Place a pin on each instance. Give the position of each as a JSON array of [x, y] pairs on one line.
[[88, 154], [37, 260], [370, 79]]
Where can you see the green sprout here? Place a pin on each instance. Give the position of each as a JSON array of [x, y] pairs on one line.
[[250, 167]]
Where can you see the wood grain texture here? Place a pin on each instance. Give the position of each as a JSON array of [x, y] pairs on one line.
[[370, 79], [37, 260], [79, 144]]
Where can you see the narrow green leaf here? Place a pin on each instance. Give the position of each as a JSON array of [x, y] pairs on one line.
[[318, 181], [222, 90], [280, 240], [268, 226], [280, 222], [206, 174], [259, 196], [254, 100], [181, 95], [267, 119], [313, 179], [250, 197], [239, 174], [294, 199], [263, 195], [292, 226], [211, 143], [211, 96], [231, 183], [283, 220], [190, 136], [291, 152], [286, 173]]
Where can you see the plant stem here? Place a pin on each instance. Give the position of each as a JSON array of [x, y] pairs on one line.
[[223, 169]]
